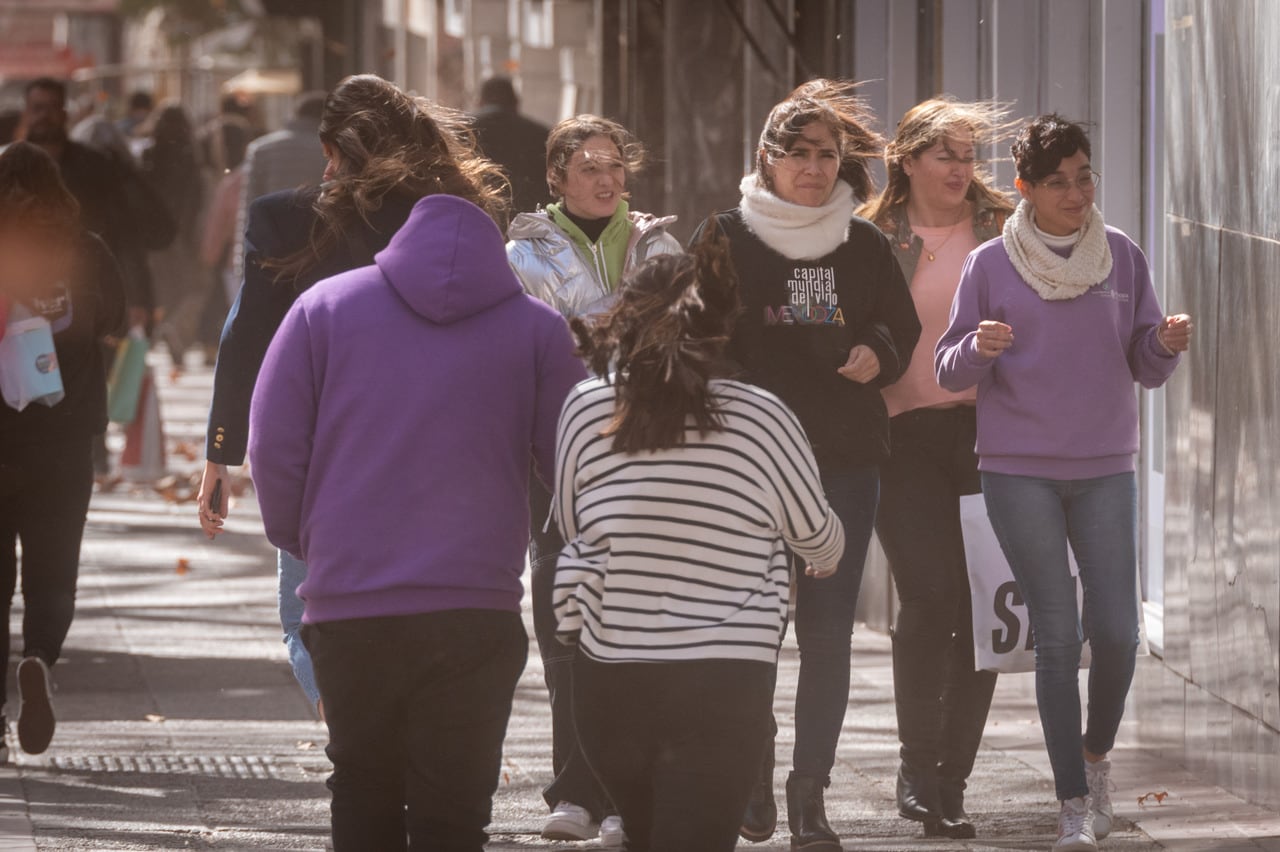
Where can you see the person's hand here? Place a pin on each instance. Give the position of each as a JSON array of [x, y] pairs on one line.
[[820, 571], [993, 338], [1174, 333], [211, 521], [862, 366]]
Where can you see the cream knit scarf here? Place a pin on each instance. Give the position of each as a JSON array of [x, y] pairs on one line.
[[1050, 274], [796, 231]]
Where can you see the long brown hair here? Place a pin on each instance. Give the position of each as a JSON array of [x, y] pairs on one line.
[[663, 339], [836, 104], [39, 220], [391, 143], [925, 125]]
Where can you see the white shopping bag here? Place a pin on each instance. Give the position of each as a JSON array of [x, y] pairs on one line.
[[29, 362], [1001, 629]]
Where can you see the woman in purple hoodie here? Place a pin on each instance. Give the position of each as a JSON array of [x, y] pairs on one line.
[[1054, 322], [391, 433]]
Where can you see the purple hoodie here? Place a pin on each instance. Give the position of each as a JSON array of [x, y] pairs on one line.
[[395, 417], [1059, 403]]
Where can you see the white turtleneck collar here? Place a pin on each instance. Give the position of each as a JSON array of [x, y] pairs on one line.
[[1053, 241], [796, 231]]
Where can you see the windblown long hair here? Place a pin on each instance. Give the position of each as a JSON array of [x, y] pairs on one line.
[[32, 194], [391, 143], [925, 125], [836, 104], [663, 340]]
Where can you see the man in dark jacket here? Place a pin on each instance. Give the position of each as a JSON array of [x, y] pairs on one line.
[[516, 143], [115, 202]]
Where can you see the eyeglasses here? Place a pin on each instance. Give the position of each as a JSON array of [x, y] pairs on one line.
[[1061, 186]]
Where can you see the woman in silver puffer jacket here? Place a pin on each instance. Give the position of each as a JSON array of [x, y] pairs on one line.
[[572, 255]]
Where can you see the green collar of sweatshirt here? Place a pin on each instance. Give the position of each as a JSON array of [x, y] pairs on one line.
[[607, 255]]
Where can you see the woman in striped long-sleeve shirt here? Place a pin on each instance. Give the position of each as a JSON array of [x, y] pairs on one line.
[[678, 495]]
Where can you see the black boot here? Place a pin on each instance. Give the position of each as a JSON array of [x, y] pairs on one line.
[[807, 816], [761, 817], [955, 822], [918, 794]]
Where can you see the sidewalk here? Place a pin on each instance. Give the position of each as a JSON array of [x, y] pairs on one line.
[[180, 725]]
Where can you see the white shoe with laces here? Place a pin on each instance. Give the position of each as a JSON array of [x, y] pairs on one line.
[[570, 822], [611, 834], [1075, 826], [1099, 778]]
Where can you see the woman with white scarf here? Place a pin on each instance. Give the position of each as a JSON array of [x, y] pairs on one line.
[[1054, 323], [827, 321]]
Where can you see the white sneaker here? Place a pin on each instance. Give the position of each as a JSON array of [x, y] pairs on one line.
[[570, 822], [1099, 777], [1075, 826], [611, 834]]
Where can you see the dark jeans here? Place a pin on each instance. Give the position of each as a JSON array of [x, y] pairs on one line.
[[574, 781], [44, 499], [942, 703], [417, 708], [824, 625], [676, 745]]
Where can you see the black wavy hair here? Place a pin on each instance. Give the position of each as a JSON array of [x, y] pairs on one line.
[[1044, 143]]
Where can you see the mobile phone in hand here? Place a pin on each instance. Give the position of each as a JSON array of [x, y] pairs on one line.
[[215, 499]]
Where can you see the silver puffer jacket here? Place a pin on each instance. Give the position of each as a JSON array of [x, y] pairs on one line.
[[553, 269]]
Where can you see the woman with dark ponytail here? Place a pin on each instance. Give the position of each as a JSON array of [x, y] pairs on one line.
[[678, 494]]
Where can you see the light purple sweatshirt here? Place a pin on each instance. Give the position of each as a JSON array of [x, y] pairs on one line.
[[395, 417], [1059, 403]]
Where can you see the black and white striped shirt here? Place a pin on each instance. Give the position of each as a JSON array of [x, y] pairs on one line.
[[681, 554]]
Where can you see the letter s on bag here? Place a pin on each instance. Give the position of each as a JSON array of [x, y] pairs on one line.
[[1007, 595]]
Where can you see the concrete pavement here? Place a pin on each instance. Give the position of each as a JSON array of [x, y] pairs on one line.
[[180, 725]]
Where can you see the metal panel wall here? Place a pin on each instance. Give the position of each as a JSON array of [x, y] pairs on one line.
[[1221, 669]]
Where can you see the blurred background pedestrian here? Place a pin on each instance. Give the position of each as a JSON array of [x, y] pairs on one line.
[[53, 268], [514, 141]]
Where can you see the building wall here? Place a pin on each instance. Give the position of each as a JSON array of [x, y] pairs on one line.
[[1213, 702]]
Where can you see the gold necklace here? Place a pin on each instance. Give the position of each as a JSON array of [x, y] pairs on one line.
[[933, 253]]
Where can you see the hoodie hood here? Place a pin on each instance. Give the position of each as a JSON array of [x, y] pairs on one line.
[[448, 261]]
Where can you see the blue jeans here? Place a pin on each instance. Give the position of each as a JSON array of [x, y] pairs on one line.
[[292, 571], [825, 609], [1034, 519]]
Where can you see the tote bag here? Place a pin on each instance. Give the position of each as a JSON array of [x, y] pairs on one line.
[[1001, 627], [29, 362], [125, 383]]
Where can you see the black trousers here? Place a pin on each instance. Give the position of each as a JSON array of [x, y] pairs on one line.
[[942, 703], [573, 780], [44, 499], [417, 708], [677, 746]]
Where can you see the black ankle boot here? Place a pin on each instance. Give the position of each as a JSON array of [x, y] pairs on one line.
[[917, 794], [761, 817], [807, 816], [955, 822]]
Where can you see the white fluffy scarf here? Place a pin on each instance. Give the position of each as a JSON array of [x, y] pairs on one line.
[[794, 230], [1050, 274]]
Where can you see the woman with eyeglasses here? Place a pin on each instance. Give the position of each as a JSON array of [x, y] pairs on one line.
[[936, 207], [827, 322], [1054, 323]]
